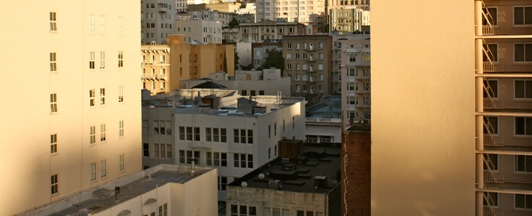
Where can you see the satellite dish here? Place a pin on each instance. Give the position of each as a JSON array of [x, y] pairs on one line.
[[244, 184], [261, 176]]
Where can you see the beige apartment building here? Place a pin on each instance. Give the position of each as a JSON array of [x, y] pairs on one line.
[[165, 65], [348, 15], [308, 62], [157, 20], [354, 53], [74, 122], [452, 108]]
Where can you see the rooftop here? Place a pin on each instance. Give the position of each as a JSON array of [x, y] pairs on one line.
[[140, 183], [319, 165]]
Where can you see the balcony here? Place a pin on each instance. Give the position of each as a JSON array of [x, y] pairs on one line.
[[358, 64], [160, 76], [518, 67], [148, 77], [495, 177], [505, 212], [507, 104], [497, 141], [494, 30]]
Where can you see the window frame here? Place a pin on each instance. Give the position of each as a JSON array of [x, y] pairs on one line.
[[524, 15]]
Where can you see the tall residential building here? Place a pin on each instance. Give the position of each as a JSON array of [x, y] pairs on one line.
[[452, 108], [355, 57], [426, 120], [157, 20], [291, 11], [76, 124], [503, 99], [308, 62]]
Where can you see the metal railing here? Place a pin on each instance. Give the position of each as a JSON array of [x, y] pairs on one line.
[[491, 140]]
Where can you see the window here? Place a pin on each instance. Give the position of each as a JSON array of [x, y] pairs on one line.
[[352, 58], [261, 92], [243, 160], [253, 93], [54, 184], [320, 88], [91, 23], [192, 156], [523, 15], [120, 59], [288, 56], [491, 14], [320, 66], [240, 136], [91, 60], [491, 125], [523, 201], [491, 88], [491, 53], [102, 96], [121, 165], [121, 128], [297, 77], [120, 94], [103, 171], [102, 132], [102, 60], [523, 89], [297, 88], [352, 72], [53, 143], [120, 25], [491, 162], [163, 210], [53, 62], [523, 163], [523, 52], [53, 103], [92, 135], [102, 24], [93, 171], [145, 149], [92, 94], [523, 125], [53, 21], [222, 183]]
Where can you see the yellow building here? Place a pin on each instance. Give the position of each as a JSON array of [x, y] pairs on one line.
[[166, 65], [452, 108], [73, 121]]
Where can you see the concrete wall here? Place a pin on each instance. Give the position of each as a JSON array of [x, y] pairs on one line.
[[423, 140], [27, 121]]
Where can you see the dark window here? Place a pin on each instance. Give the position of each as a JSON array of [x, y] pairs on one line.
[[491, 89], [145, 150], [523, 125], [491, 52]]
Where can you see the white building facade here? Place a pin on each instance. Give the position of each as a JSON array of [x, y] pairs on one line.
[[78, 125], [235, 139], [197, 30], [292, 11]]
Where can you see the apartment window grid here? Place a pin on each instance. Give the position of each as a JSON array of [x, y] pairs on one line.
[[243, 160], [189, 133], [53, 143], [121, 128], [103, 171], [93, 172], [102, 96], [53, 61], [121, 163], [162, 150], [92, 134], [120, 59], [92, 57], [216, 135], [53, 21], [243, 210], [163, 210], [120, 94], [240, 136], [217, 159], [162, 127], [54, 184], [102, 133], [53, 103]]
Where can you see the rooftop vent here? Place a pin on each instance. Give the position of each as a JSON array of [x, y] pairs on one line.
[[274, 184], [320, 181]]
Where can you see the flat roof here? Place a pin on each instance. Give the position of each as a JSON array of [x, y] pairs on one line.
[[147, 180], [299, 175]]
